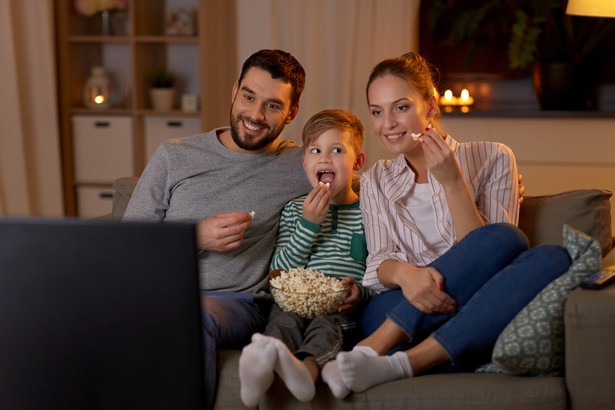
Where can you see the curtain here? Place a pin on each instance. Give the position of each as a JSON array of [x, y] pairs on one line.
[[30, 170], [338, 43]]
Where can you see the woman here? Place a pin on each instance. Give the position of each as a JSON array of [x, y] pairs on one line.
[[450, 268]]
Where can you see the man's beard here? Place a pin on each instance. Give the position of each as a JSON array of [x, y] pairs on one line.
[[251, 145]]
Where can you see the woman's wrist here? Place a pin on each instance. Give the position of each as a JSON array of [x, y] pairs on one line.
[[390, 272]]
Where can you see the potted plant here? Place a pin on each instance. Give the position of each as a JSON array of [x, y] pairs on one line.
[[162, 88], [539, 35]]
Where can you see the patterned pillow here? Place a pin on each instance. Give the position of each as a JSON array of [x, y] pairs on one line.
[[533, 342]]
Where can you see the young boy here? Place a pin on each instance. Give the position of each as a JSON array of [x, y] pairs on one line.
[[321, 230]]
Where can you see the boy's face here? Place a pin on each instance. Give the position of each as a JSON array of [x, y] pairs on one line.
[[331, 158]]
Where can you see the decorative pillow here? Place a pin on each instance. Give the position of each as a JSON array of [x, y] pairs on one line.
[[588, 210], [533, 342]]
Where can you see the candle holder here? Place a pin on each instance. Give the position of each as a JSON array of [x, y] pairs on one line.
[[96, 90]]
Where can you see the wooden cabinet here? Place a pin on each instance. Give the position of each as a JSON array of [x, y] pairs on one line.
[[130, 44]]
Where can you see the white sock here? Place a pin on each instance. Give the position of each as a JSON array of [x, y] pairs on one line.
[[295, 374], [291, 370], [362, 368], [256, 365], [331, 375]]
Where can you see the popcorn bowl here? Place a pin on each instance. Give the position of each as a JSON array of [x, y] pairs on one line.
[[317, 298]]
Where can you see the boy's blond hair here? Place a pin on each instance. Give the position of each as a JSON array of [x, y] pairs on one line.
[[333, 119]]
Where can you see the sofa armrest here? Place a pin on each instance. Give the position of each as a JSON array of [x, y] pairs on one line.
[[121, 196], [589, 322]]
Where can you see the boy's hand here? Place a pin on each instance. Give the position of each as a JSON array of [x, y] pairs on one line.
[[222, 232], [316, 205], [352, 298]]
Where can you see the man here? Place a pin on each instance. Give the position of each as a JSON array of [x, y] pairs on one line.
[[216, 180]]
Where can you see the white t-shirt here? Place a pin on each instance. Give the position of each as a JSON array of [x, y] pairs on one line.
[[420, 205]]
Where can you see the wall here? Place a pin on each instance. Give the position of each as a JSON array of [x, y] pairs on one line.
[[554, 154]]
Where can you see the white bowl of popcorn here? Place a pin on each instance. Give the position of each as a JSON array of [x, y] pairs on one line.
[[307, 292]]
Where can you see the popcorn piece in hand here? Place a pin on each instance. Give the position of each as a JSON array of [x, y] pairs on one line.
[[417, 135], [252, 214], [325, 184]]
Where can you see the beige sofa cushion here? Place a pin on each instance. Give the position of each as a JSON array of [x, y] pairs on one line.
[[541, 217], [440, 391], [589, 210]]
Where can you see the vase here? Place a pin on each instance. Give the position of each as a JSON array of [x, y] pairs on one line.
[[162, 98], [105, 24], [119, 23], [560, 86]]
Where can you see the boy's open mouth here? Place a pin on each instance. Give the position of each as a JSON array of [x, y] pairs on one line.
[[326, 177]]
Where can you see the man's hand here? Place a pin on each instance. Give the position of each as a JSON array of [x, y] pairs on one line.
[[521, 189], [223, 232]]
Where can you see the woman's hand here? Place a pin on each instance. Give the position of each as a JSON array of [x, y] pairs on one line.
[[439, 159], [316, 205], [352, 298], [422, 286], [222, 232]]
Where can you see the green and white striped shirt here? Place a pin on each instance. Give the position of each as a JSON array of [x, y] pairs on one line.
[[336, 248]]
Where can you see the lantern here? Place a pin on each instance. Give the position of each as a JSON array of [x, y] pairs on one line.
[[96, 90]]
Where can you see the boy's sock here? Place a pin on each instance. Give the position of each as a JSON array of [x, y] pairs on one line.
[[331, 375], [292, 371], [256, 365], [362, 368]]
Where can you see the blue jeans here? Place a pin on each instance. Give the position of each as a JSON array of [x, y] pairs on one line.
[[229, 320], [492, 275]]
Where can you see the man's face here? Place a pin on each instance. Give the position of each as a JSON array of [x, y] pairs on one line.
[[260, 110]]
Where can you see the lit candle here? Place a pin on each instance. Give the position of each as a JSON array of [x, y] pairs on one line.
[[465, 98], [99, 99], [448, 98]]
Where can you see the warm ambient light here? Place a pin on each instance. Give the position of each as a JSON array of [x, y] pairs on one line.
[[591, 8], [465, 98], [449, 100], [96, 89]]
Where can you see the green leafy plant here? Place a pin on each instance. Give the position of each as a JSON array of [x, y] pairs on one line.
[[535, 30], [161, 78]]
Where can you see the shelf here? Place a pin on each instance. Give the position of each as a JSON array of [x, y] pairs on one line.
[[98, 39], [143, 42], [167, 39], [106, 111], [173, 113]]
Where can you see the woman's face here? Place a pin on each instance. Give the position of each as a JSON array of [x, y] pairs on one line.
[[397, 111]]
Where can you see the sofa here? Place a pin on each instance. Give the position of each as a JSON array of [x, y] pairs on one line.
[[589, 336]]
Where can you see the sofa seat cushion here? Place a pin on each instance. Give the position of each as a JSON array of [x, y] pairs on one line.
[[456, 391]]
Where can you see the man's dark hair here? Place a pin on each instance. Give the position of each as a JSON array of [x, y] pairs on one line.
[[280, 64]]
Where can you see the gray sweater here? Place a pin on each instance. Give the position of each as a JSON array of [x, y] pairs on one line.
[[193, 178]]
